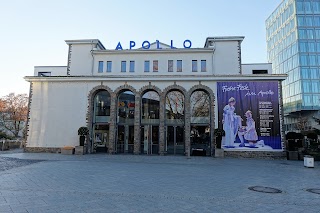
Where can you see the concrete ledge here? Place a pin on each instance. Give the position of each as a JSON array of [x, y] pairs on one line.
[[10, 144], [255, 154], [67, 151], [42, 149]]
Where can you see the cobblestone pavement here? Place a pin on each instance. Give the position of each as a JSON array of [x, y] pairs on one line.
[[9, 163], [123, 183]]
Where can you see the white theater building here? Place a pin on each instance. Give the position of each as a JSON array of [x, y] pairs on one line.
[[149, 100]]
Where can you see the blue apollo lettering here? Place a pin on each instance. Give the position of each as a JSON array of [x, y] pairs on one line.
[[187, 41], [119, 47], [146, 45], [158, 44], [132, 44]]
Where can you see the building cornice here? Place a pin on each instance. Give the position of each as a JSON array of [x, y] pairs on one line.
[[86, 41], [122, 78], [143, 51], [49, 66], [222, 38]]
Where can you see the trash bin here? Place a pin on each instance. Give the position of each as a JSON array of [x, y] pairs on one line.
[[308, 161]]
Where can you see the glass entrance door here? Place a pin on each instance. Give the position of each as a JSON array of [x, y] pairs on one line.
[[175, 140], [125, 139], [200, 140], [100, 137], [149, 139]]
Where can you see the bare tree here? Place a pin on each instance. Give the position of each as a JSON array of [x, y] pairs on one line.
[[175, 105], [302, 123], [13, 112], [200, 104]]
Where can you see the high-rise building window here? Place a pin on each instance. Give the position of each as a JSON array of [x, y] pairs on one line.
[[309, 21], [300, 8], [131, 66], [155, 66], [304, 60], [316, 7], [317, 33], [123, 66], [170, 65], [179, 65], [312, 60], [109, 66], [301, 21], [147, 66], [307, 7], [203, 66], [100, 67], [194, 66]]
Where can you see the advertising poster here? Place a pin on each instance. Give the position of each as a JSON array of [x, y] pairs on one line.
[[249, 115]]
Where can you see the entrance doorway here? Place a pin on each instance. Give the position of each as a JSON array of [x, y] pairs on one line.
[[200, 140], [101, 137], [125, 139], [150, 140], [175, 140]]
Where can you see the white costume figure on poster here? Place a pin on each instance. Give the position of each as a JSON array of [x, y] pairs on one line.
[[230, 123], [249, 132]]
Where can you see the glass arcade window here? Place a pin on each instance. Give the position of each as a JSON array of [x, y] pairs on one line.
[[175, 107], [200, 107], [126, 106], [150, 107], [102, 107]]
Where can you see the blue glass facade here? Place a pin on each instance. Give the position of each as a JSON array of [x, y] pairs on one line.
[[293, 43]]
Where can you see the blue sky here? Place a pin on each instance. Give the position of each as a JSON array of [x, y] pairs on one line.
[[33, 32]]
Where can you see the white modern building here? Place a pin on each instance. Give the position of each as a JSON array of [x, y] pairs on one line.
[[155, 100]]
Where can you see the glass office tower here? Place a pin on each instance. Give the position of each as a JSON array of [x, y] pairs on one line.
[[293, 43]]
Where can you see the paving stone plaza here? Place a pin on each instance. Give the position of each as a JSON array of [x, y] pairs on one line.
[[43, 182]]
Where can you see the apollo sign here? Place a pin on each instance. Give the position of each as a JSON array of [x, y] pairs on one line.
[[146, 45]]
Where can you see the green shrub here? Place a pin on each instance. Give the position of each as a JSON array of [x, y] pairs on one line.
[[83, 131]]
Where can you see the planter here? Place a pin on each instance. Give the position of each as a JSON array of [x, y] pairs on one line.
[[292, 155], [219, 153], [67, 151], [82, 139], [80, 150], [218, 141]]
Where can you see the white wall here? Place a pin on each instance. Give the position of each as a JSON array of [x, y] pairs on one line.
[[57, 111], [81, 59], [225, 58], [162, 58], [59, 105]]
